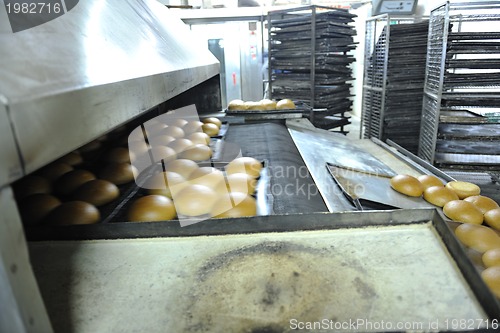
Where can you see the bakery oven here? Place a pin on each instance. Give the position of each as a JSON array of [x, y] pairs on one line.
[[325, 245]]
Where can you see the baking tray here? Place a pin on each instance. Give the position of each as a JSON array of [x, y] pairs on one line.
[[373, 188], [397, 267], [339, 15], [292, 113]]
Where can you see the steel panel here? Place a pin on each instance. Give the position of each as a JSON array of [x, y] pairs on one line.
[[9, 156], [22, 306], [342, 269], [96, 67]]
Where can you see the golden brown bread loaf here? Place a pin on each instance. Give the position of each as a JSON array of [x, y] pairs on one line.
[[154, 127], [55, 170], [182, 166], [439, 195], [483, 203], [237, 182], [161, 153], [151, 208], [165, 183], [407, 185], [31, 184], [248, 165], [236, 104], [252, 105], [174, 131], [117, 173], [36, 207], [179, 122], [463, 189], [74, 158], [199, 138], [207, 176], [268, 104], [73, 212], [197, 153], [492, 218], [491, 276], [285, 104], [97, 192], [213, 120], [210, 129], [429, 181], [195, 200], [463, 211], [491, 257], [117, 155], [160, 140], [180, 145], [193, 126], [69, 182], [477, 237], [138, 149], [235, 204]]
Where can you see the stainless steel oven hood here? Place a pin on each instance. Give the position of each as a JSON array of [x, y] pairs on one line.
[[70, 80]]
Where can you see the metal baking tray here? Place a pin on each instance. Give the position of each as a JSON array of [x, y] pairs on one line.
[[339, 15], [372, 188], [116, 211], [265, 112], [264, 274]]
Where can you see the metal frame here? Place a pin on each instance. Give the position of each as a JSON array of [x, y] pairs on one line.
[[373, 103], [434, 77], [376, 64], [282, 13], [442, 18]]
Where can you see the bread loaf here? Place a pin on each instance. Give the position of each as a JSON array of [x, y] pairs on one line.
[[407, 185]]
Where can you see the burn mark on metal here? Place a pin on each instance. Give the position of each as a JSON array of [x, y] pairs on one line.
[[267, 329], [281, 248], [363, 289]]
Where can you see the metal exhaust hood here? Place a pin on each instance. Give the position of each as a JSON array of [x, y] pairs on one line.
[[72, 79]]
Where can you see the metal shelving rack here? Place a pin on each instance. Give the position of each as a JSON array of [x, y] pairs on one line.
[[460, 126], [393, 79], [309, 61]]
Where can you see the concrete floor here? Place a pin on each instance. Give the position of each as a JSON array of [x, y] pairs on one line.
[[354, 127]]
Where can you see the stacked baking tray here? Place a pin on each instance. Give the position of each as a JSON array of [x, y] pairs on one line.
[[405, 83], [394, 79], [308, 60], [461, 128]]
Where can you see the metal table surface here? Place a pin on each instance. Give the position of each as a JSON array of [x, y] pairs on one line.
[[317, 147], [262, 281]]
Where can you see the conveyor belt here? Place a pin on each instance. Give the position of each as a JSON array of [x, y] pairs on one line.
[[291, 185]]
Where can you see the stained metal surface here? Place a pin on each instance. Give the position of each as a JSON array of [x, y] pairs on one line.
[[68, 81], [9, 155], [22, 308], [375, 188], [319, 147], [262, 281]]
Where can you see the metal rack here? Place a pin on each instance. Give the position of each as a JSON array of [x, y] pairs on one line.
[[309, 61], [460, 125], [394, 79]]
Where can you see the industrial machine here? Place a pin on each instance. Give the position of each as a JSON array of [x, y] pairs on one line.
[[331, 244]]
